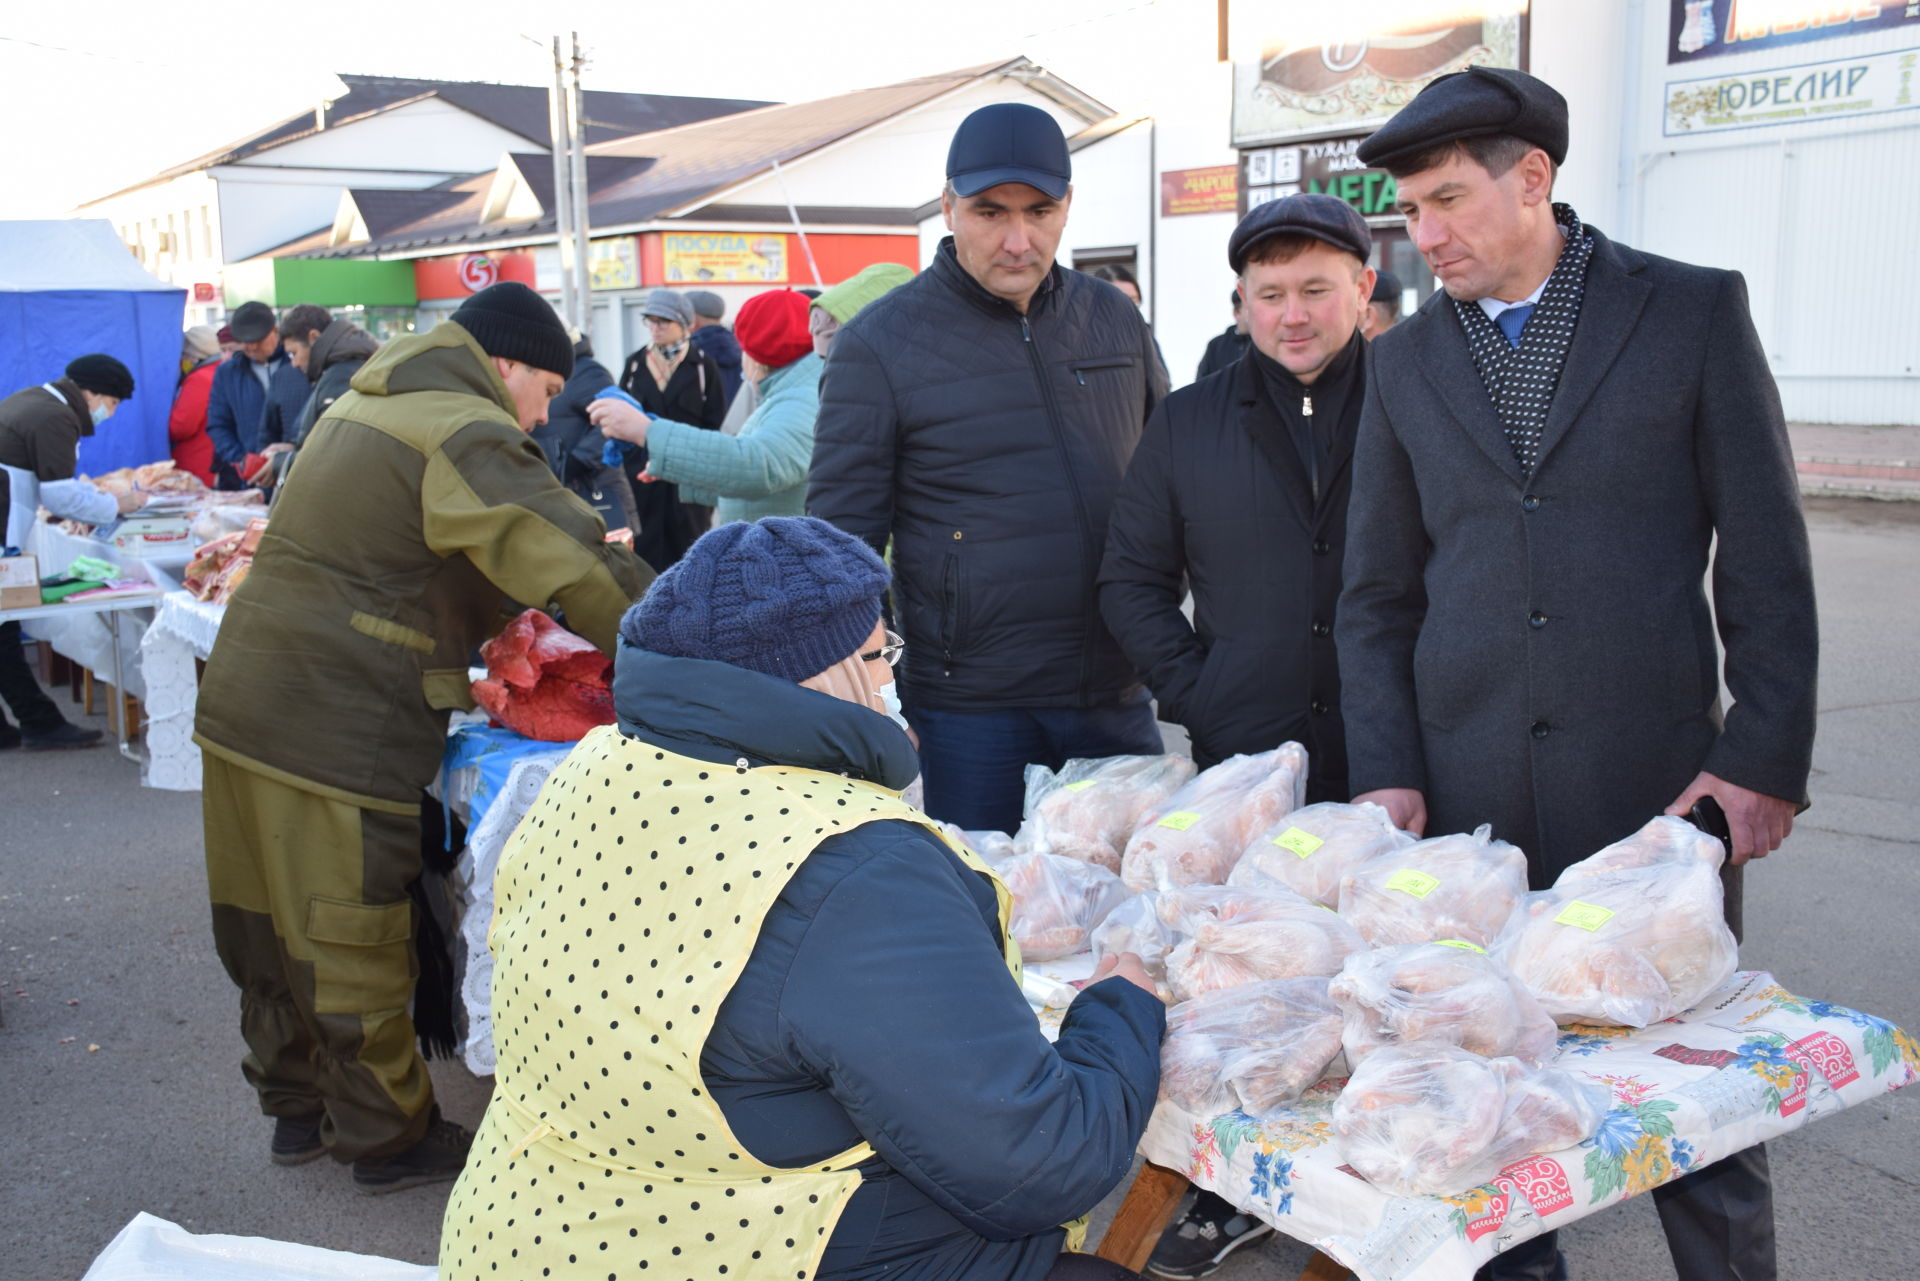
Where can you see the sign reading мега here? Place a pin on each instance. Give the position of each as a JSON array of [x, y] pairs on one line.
[[1327, 168]]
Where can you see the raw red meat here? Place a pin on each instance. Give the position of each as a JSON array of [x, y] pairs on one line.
[[545, 682]]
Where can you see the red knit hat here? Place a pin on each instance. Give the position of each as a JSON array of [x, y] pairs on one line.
[[772, 327]]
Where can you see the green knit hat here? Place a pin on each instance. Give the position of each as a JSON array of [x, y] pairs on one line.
[[844, 301]]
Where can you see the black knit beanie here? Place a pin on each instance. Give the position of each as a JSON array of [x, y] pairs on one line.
[[512, 322], [102, 375]]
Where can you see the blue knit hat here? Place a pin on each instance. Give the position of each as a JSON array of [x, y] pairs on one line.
[[787, 596]]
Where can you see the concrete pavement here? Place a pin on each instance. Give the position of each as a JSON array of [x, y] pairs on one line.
[[104, 942]]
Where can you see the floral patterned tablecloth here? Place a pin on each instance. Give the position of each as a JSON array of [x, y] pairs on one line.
[[1752, 1062]]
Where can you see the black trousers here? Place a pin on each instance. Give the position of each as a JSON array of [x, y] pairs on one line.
[[20, 691], [1718, 1221]]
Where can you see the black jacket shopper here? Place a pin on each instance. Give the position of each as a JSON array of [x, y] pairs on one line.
[[1223, 494], [988, 446]]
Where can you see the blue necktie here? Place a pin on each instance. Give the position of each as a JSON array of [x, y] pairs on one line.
[[1512, 321]]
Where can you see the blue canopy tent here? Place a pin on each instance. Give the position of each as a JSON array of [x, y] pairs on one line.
[[68, 287]]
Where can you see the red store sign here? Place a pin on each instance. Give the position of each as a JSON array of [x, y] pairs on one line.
[[461, 275]]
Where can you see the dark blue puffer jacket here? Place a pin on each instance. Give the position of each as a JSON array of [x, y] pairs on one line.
[[988, 445], [718, 342], [877, 1006], [243, 417]]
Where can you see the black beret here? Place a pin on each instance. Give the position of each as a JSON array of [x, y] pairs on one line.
[[102, 375], [1327, 218], [1474, 103], [1386, 288], [252, 321]]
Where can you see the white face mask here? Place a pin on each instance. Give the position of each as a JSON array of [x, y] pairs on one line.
[[890, 695]]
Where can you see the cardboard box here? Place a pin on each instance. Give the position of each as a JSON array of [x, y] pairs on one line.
[[19, 582], [148, 535]]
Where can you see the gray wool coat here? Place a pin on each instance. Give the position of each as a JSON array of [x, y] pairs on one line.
[[1537, 651]]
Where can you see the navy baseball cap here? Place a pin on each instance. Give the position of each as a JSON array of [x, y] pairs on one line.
[[1009, 142]]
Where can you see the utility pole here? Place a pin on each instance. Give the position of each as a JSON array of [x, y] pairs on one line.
[[563, 221], [583, 248]]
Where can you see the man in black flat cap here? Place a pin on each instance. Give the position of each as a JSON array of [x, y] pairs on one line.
[[40, 431], [980, 417], [257, 398], [1553, 446], [1239, 488], [1383, 308]]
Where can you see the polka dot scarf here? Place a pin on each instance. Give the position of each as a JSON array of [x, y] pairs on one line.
[[1521, 380]]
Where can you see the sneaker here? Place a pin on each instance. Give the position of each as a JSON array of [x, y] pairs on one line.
[[439, 1155], [1204, 1236], [296, 1139], [65, 737]]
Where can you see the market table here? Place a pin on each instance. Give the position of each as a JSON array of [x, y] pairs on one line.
[[183, 631], [108, 608], [1750, 1063]]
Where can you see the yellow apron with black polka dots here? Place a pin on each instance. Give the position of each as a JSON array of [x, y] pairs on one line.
[[625, 907]]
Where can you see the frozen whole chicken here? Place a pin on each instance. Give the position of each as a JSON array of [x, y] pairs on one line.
[[1311, 849], [1629, 948], [1196, 835], [1057, 902], [1089, 809], [1256, 1047], [1431, 1119], [992, 848], [1447, 887], [1455, 994], [1227, 936], [1665, 840]]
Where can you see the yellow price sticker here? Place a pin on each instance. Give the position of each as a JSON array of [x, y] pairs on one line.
[[1178, 821], [1302, 843], [1081, 786], [1462, 944], [1584, 916], [1408, 881]]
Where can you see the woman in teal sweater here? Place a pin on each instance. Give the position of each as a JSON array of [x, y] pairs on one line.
[[762, 471]]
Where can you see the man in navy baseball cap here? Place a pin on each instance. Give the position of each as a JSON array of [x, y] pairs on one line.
[[1009, 142]]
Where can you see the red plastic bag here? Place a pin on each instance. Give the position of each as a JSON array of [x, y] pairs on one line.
[[545, 682]]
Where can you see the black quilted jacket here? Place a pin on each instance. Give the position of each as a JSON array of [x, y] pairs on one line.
[[988, 446]]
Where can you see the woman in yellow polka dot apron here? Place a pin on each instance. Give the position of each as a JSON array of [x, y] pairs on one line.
[[754, 1015]]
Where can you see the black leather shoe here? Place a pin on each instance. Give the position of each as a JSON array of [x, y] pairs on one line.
[[296, 1139], [439, 1156], [64, 738]]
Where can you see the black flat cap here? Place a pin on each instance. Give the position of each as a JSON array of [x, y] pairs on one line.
[[1471, 104], [251, 322], [102, 375], [1327, 218], [1386, 288]]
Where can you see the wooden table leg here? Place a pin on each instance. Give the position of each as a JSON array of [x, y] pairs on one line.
[[1321, 1268], [1143, 1216]]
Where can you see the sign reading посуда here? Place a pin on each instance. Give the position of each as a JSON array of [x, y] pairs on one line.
[[724, 258]]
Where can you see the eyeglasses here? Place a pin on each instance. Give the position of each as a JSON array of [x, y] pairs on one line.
[[888, 653]]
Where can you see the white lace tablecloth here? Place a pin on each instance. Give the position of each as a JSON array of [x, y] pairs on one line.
[[183, 629], [1752, 1062]]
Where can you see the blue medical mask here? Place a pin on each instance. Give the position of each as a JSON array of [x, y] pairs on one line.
[[100, 413]]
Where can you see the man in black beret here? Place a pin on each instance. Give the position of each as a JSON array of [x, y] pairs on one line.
[[1383, 308], [1240, 487], [419, 510], [1559, 445], [40, 431]]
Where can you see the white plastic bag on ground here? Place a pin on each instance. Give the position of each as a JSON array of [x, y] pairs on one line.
[[1311, 849], [1448, 887], [1227, 936], [1628, 948], [1197, 834], [152, 1249], [1430, 1119], [1254, 1047], [1434, 992], [1057, 902], [1089, 809]]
